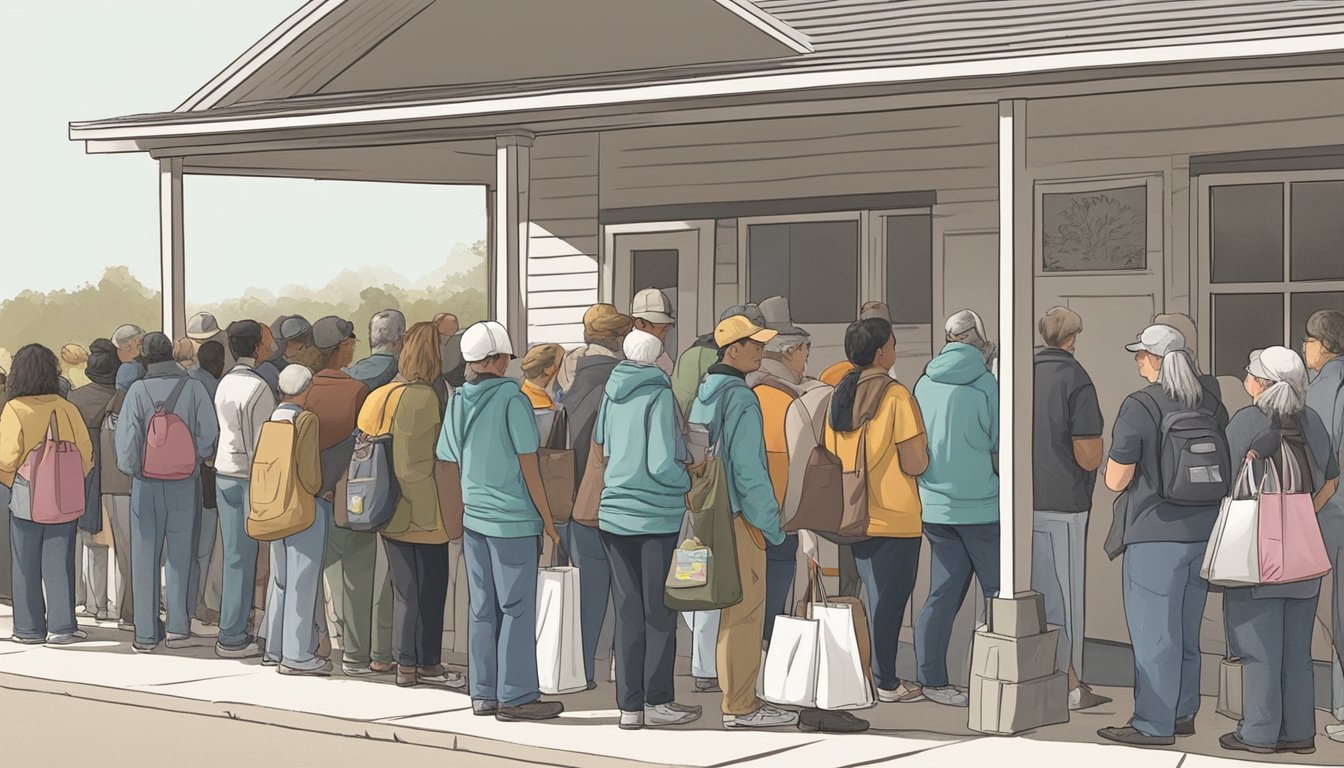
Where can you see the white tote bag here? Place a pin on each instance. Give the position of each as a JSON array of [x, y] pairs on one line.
[[559, 635], [1233, 555], [792, 664], [842, 682]]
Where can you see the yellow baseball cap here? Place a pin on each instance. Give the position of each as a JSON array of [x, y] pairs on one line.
[[736, 328]]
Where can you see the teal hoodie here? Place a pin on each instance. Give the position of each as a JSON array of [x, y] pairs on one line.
[[640, 435], [487, 426], [959, 398], [730, 410]]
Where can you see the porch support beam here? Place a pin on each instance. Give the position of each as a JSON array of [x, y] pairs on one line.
[[509, 235], [172, 250]]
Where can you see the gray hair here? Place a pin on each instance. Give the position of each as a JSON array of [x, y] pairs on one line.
[[123, 336], [785, 344], [1179, 380], [1327, 327], [386, 328], [1281, 399]]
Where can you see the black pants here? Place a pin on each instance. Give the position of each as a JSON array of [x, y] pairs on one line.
[[646, 629], [419, 574]]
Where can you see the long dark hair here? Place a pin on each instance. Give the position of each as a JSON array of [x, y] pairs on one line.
[[34, 372], [863, 340]]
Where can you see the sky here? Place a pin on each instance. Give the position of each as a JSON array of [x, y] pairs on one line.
[[65, 215]]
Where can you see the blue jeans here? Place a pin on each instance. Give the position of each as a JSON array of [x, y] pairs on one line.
[[291, 598], [163, 512], [42, 555], [502, 628], [1272, 637], [584, 545], [956, 551], [781, 562], [1164, 605], [887, 567], [704, 626], [240, 562]]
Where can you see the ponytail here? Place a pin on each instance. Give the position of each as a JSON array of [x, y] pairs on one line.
[[842, 402], [1281, 400], [1179, 380]]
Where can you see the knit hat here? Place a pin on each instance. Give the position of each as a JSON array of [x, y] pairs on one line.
[[103, 362]]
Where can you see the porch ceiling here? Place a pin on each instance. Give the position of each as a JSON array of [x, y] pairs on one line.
[[459, 162]]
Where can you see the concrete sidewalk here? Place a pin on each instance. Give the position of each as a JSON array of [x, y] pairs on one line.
[[194, 681]]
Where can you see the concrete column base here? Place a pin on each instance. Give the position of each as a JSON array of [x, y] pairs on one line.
[[1014, 685]]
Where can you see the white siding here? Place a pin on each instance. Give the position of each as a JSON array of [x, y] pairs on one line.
[[562, 264]]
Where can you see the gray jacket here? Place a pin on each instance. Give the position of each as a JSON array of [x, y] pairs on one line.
[[194, 407], [1325, 396]]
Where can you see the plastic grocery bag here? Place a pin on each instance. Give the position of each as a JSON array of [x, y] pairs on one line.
[[842, 680], [792, 663], [559, 634]]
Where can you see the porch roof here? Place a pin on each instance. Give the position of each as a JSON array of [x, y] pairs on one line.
[[816, 44]]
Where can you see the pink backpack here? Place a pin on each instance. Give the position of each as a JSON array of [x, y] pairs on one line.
[[55, 474], [170, 451]]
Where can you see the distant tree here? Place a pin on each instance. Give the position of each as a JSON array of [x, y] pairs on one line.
[[57, 318]]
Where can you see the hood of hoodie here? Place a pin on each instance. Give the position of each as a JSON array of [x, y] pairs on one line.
[[629, 379], [717, 386], [957, 364], [475, 393]]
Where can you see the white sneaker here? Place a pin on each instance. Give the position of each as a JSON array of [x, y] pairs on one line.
[[666, 714], [68, 638], [765, 717], [948, 696], [175, 640], [631, 721], [1335, 732]]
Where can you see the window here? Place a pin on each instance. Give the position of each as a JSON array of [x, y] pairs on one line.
[[657, 268], [1275, 251], [909, 246], [814, 263]]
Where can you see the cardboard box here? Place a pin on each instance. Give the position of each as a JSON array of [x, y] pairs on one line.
[[1004, 708], [1017, 617], [1015, 659]]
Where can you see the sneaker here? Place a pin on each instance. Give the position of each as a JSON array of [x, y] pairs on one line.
[[1185, 726], [125, 626], [68, 638], [267, 661], [904, 694], [1083, 697], [438, 675], [948, 696], [675, 707], [765, 717], [322, 671], [248, 650], [406, 677], [1231, 742], [484, 708], [358, 670], [707, 685], [663, 714], [27, 640], [1134, 737], [1307, 747], [822, 721], [382, 667], [631, 721], [1335, 732], [146, 649], [533, 710], [175, 640]]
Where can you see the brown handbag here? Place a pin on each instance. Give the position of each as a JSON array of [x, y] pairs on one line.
[[448, 480], [834, 503], [590, 489], [556, 460]]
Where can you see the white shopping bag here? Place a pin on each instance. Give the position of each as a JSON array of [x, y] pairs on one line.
[[1233, 555], [842, 682], [559, 634], [792, 664]]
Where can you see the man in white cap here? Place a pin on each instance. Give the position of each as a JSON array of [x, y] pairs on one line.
[[203, 327], [653, 314], [489, 432]]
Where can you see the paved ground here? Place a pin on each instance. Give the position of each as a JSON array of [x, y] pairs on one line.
[[191, 698]]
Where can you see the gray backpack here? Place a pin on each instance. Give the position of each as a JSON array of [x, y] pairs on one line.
[[371, 487], [1194, 461]]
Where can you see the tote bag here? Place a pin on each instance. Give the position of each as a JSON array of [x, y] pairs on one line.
[[712, 521], [1291, 546], [1233, 555], [559, 634]]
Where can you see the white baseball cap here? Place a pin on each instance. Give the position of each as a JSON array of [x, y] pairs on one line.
[[652, 305], [1159, 340], [485, 339], [1278, 364]]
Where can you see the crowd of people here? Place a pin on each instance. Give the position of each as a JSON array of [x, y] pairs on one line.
[[187, 447]]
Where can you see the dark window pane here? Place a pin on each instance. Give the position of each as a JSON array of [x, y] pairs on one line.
[[1247, 237], [657, 268], [910, 269], [1304, 305], [814, 264], [1318, 230], [1241, 323], [1095, 231]]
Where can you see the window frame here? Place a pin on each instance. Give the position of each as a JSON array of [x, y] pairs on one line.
[[1286, 287]]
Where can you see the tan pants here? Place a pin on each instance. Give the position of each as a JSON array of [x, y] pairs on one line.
[[742, 627]]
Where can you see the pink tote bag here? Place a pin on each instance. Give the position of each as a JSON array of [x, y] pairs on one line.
[[1290, 542]]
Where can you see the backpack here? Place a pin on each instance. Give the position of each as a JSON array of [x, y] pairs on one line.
[[54, 471], [276, 504], [371, 487], [1194, 461], [170, 450]]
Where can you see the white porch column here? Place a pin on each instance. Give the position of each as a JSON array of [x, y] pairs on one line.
[[509, 235], [1016, 313], [172, 252]]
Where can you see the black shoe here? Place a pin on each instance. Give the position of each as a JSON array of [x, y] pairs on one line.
[[823, 721], [592, 686], [484, 708], [1185, 726], [1134, 737], [1307, 747], [533, 710], [1230, 741]]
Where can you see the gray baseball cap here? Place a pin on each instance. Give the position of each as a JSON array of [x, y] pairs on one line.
[[202, 326], [652, 305], [1159, 340], [331, 330]]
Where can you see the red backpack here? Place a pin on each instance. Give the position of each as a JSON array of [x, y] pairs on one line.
[[170, 450]]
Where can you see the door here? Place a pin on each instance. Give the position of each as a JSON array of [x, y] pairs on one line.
[[671, 261]]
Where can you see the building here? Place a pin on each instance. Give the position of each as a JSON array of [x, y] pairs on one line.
[[1123, 158]]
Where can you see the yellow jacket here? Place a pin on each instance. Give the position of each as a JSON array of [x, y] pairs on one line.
[[23, 427]]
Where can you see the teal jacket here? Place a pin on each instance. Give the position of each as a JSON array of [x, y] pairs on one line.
[[959, 399], [488, 425], [640, 434], [730, 410]]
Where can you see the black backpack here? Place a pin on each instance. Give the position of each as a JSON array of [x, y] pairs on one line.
[[1194, 461]]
